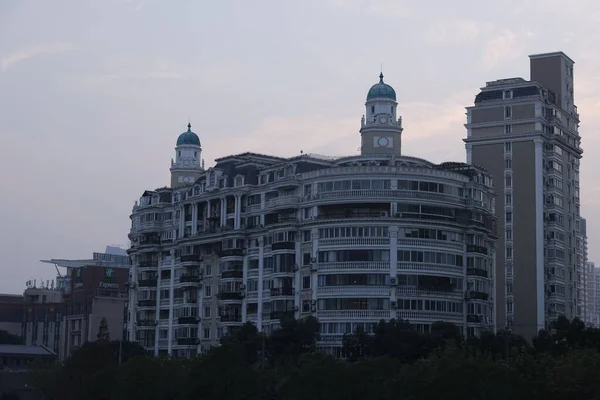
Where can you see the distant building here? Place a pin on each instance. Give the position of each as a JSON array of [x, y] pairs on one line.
[[11, 313], [93, 289]]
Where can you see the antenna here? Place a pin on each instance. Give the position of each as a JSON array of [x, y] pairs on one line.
[[381, 68]]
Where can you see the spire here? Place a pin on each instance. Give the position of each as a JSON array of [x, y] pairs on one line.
[[189, 126], [381, 77]]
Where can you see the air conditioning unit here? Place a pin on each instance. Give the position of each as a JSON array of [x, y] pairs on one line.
[[394, 305], [314, 267], [394, 281]]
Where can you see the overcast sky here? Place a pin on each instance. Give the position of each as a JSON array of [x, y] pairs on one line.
[[93, 94]]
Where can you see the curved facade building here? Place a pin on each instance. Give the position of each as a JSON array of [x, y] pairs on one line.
[[350, 240]]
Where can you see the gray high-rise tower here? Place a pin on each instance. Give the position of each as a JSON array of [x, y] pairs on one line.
[[525, 132]]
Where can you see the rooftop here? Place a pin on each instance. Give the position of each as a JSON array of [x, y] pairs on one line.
[[25, 350]]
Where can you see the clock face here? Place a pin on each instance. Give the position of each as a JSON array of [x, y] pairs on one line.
[[383, 142], [383, 120], [186, 162]]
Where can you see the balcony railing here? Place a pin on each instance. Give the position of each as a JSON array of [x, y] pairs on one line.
[[477, 272], [283, 246], [187, 320], [474, 295], [232, 275], [471, 248], [231, 253], [146, 322], [283, 291], [187, 341], [230, 296], [148, 282], [231, 318], [190, 279], [146, 303], [191, 258], [281, 314]]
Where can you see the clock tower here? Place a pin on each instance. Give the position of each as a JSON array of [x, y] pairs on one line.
[[187, 166], [381, 129]]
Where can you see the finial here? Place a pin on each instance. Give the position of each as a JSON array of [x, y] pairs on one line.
[[189, 126], [381, 77]]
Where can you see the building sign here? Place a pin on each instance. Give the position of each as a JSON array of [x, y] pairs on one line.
[[109, 285], [78, 285], [109, 272]]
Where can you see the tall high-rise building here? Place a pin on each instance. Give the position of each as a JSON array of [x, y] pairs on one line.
[[350, 240], [526, 133]]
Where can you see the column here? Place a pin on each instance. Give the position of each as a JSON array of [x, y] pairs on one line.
[[314, 276], [539, 233], [465, 280], [262, 208], [469, 149], [261, 254], [171, 297], [156, 330], [238, 211], [245, 290], [297, 279], [223, 211], [194, 218], [393, 232], [181, 221]]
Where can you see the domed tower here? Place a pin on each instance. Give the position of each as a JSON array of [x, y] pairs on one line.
[[187, 166], [380, 128]]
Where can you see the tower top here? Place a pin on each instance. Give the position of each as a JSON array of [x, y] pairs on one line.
[[188, 138], [381, 90]]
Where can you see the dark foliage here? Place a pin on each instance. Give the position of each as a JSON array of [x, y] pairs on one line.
[[9, 338], [395, 362]]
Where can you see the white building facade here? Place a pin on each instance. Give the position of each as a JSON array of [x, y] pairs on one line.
[[351, 241]]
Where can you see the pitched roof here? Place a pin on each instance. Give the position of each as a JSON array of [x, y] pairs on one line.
[[25, 350]]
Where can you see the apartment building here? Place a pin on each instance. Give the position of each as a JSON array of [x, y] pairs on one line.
[[350, 240], [526, 134]]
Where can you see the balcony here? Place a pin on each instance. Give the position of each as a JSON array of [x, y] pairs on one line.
[[477, 272], [232, 275], [189, 279], [277, 315], [284, 271], [146, 303], [146, 322], [354, 291], [474, 295], [148, 282], [230, 296], [428, 292], [283, 246], [231, 253], [283, 291], [187, 341], [231, 318], [148, 264], [373, 315], [283, 201], [473, 318], [191, 258], [187, 320], [471, 248], [354, 242]]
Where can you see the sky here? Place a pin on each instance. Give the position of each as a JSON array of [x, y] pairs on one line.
[[93, 94]]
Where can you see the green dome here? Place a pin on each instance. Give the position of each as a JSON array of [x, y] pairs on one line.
[[188, 137], [381, 91]]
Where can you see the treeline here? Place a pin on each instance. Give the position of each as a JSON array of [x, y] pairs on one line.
[[396, 362]]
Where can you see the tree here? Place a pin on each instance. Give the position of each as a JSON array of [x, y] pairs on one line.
[[357, 345], [9, 338]]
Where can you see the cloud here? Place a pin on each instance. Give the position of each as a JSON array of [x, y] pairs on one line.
[[500, 47], [11, 59]]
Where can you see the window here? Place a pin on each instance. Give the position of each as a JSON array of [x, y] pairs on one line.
[[509, 234], [507, 94], [206, 312], [508, 181], [508, 147], [508, 129], [508, 163], [306, 282], [509, 253], [208, 269], [207, 291], [508, 112], [372, 109], [508, 199], [509, 306], [508, 217], [206, 334]]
